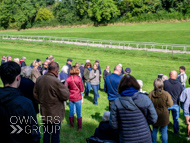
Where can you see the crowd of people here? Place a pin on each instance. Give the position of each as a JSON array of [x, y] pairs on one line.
[[131, 110]]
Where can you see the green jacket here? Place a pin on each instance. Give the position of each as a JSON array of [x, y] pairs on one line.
[[162, 101], [86, 75]]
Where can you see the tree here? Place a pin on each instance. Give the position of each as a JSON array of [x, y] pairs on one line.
[[44, 15], [65, 12], [18, 13], [138, 7], [101, 11], [81, 7]]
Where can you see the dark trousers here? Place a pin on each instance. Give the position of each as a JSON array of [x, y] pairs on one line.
[[51, 130], [110, 104]]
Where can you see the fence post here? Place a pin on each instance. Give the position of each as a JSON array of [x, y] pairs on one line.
[[172, 52], [123, 47], [146, 50]]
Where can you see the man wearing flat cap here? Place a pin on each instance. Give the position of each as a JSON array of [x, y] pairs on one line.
[[69, 62]]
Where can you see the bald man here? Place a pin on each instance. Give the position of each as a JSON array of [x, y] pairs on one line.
[[111, 85], [50, 93], [174, 88]]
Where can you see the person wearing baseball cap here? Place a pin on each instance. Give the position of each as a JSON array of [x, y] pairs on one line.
[[127, 71], [69, 62]]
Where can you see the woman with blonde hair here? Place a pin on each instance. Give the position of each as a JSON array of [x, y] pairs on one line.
[[75, 86], [35, 73], [16, 60], [162, 101], [63, 75], [94, 81]]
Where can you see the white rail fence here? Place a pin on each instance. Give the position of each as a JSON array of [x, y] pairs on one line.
[[130, 45]]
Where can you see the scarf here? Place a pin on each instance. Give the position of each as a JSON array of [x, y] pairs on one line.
[[129, 91], [89, 69]]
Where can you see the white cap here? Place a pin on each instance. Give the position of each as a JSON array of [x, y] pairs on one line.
[[120, 65]]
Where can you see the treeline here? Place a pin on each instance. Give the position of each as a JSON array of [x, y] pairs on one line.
[[22, 14]]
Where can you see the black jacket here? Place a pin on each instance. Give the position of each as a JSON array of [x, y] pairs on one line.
[[22, 64], [26, 88], [69, 68], [105, 132], [81, 71], [13, 109], [43, 69], [174, 87], [2, 62], [105, 74]]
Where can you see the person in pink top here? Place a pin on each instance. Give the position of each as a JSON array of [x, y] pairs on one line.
[[75, 86]]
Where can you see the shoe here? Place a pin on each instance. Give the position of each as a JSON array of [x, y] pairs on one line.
[[71, 119], [188, 138], [79, 120]]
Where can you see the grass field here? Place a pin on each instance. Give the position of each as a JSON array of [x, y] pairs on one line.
[[175, 33], [144, 68]]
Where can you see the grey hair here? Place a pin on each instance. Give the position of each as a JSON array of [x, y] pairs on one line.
[[158, 84], [87, 61], [23, 58], [164, 77], [9, 56], [26, 71], [65, 69], [140, 82], [106, 116], [16, 60]]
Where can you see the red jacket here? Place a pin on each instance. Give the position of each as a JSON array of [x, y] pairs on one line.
[[75, 93]]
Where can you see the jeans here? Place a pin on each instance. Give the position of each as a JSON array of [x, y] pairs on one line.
[[88, 88], [51, 130], [96, 94], [75, 106], [164, 134], [110, 104], [175, 114], [78, 105]]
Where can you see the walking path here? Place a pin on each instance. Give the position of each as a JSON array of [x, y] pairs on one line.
[[104, 45]]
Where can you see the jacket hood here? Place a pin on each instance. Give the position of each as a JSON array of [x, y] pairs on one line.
[[173, 81], [129, 92], [8, 94], [127, 102]]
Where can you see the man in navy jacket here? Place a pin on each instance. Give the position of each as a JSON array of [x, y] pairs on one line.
[[18, 121], [174, 88], [111, 85]]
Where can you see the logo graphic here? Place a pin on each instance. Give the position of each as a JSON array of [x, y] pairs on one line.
[[29, 124], [15, 129]]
